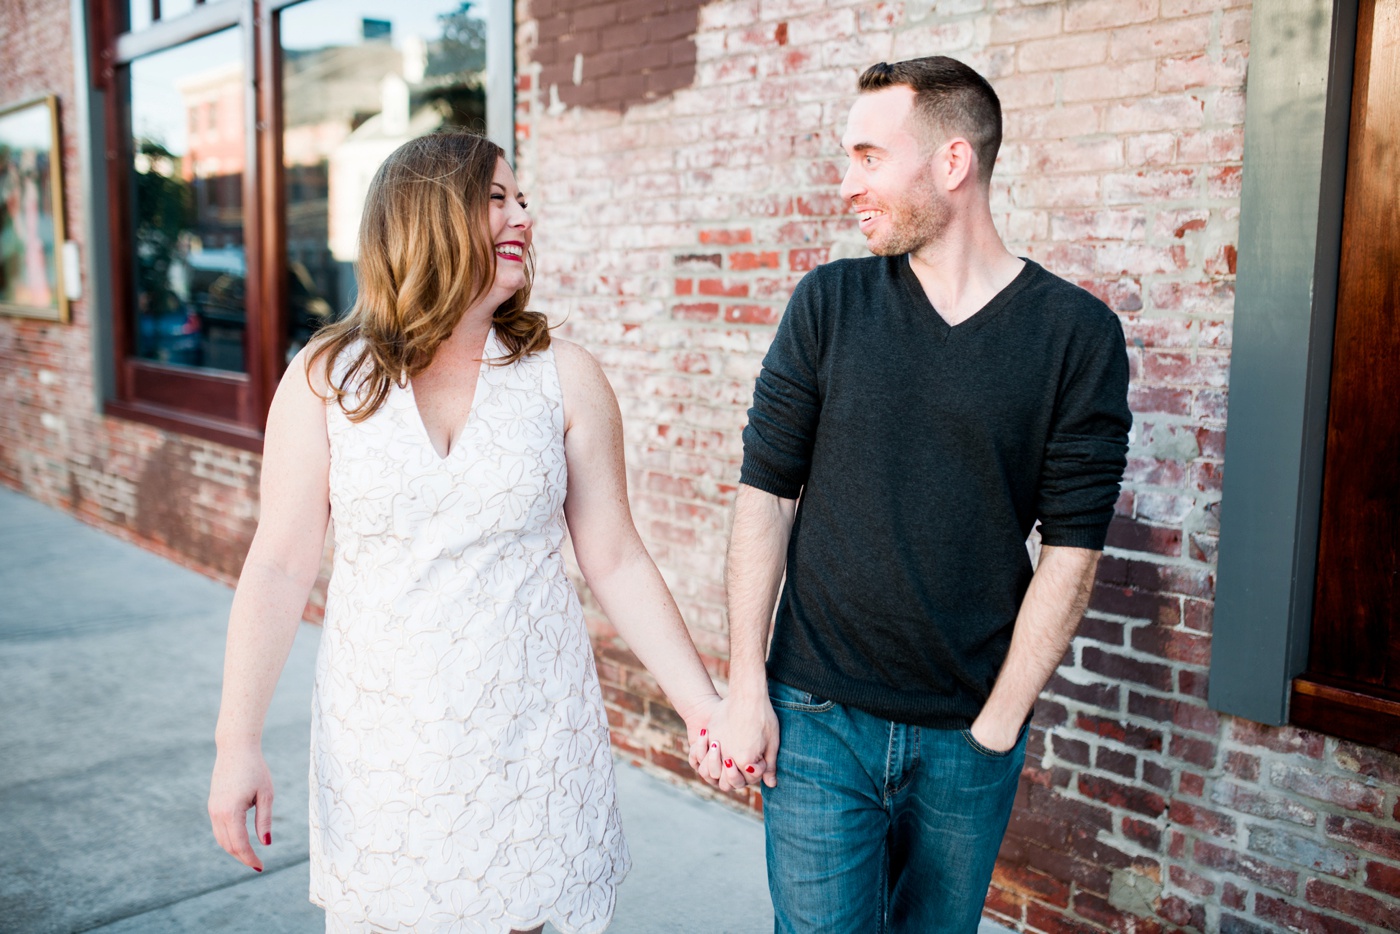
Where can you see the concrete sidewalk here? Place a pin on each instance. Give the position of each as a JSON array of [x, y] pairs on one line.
[[110, 664]]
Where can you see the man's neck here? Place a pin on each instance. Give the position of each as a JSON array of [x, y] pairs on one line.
[[965, 268]]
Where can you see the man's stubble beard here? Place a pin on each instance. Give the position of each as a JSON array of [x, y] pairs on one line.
[[921, 219]]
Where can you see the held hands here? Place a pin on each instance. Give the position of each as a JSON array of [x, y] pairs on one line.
[[241, 781], [739, 747]]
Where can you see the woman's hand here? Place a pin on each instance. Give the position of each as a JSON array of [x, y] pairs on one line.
[[740, 748], [697, 726], [241, 781]]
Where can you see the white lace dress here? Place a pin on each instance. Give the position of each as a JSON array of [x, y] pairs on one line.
[[461, 778]]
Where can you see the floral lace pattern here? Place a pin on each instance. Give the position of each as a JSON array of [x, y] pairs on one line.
[[461, 778]]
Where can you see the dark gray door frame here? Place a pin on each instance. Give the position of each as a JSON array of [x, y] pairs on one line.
[[1297, 117]]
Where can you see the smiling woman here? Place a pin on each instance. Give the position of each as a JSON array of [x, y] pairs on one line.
[[460, 758]]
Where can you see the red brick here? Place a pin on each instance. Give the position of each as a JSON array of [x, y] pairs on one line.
[[1383, 841], [1279, 739], [1202, 819], [719, 287], [1146, 835], [1120, 666], [748, 261], [1354, 796], [1101, 912], [1372, 763], [1177, 910], [751, 314], [1248, 867], [806, 259], [1384, 879], [1191, 882], [1295, 918], [1116, 794], [1030, 883], [1243, 766], [1135, 736]]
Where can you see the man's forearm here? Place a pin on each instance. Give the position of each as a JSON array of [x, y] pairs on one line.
[[753, 572], [1049, 615]]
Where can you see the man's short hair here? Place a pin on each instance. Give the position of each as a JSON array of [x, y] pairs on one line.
[[950, 99]]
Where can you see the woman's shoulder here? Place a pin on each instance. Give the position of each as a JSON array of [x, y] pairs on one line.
[[575, 362], [581, 378]]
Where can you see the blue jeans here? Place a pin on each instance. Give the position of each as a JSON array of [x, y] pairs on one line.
[[877, 826]]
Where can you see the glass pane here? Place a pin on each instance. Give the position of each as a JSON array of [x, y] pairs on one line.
[[187, 203], [359, 78]]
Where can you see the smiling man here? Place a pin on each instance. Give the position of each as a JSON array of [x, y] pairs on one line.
[[918, 413]]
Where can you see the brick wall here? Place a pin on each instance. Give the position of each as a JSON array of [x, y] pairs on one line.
[[192, 501], [677, 207], [671, 231]]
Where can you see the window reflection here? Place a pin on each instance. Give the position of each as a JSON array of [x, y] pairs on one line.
[[140, 12], [187, 203], [360, 78]]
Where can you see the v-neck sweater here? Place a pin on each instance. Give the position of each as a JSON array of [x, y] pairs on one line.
[[923, 454]]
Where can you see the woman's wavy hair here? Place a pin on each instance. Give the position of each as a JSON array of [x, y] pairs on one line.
[[426, 255]]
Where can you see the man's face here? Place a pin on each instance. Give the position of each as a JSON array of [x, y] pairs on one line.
[[890, 181]]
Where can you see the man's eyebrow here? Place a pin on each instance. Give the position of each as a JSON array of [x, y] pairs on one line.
[[863, 147]]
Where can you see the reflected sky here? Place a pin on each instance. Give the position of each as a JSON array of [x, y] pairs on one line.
[[154, 77]]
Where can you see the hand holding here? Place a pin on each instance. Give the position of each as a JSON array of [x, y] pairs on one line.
[[741, 746], [241, 781]]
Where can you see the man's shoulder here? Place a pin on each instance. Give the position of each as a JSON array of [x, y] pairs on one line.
[[1065, 301], [831, 280]]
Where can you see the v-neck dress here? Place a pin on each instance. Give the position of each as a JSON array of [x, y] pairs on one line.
[[461, 778]]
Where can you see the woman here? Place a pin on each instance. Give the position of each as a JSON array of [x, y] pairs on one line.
[[461, 778]]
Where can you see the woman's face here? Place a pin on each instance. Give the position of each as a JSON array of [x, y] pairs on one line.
[[511, 229]]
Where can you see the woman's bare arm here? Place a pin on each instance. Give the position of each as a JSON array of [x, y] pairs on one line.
[[277, 577], [610, 553]]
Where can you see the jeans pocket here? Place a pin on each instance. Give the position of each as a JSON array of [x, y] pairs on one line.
[[990, 753], [791, 698]]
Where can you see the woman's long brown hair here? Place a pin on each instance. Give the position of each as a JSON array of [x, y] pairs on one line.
[[426, 255]]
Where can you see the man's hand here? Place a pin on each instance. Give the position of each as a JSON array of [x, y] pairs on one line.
[[740, 746], [998, 737]]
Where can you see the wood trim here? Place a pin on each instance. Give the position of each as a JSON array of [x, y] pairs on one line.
[[117, 152], [256, 333], [1368, 716], [199, 22], [1355, 633], [179, 421], [272, 208], [216, 394]]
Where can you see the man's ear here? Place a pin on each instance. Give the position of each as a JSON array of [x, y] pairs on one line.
[[956, 163]]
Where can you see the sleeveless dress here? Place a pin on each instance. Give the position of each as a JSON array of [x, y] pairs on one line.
[[461, 777]]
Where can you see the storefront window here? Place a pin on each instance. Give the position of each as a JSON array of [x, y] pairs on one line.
[[230, 250], [188, 154], [358, 81]]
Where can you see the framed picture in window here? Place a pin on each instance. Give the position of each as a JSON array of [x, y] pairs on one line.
[[31, 211]]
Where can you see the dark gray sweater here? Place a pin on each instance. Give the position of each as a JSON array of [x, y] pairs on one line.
[[923, 455]]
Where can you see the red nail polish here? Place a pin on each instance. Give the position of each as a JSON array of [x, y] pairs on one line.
[[749, 769], [256, 869], [702, 732], [267, 839], [729, 763], [714, 745]]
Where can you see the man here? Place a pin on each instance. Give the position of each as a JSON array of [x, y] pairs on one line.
[[929, 405]]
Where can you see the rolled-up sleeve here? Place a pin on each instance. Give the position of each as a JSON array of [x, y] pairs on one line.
[[786, 401], [1088, 445]]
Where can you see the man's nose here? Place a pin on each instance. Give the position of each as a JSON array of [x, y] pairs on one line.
[[851, 183]]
